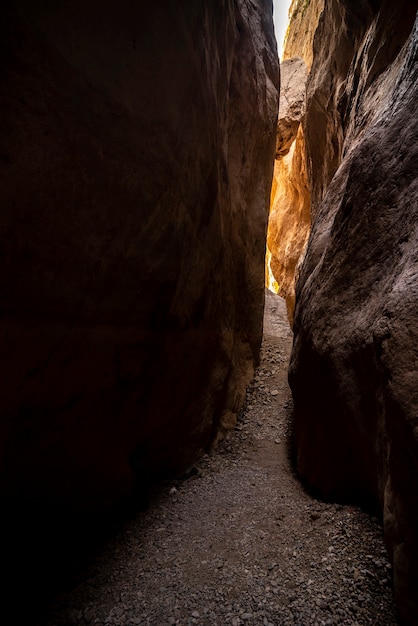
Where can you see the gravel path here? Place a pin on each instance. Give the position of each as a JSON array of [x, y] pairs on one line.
[[237, 540]]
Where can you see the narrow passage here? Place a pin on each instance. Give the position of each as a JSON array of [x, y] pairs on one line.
[[237, 540]]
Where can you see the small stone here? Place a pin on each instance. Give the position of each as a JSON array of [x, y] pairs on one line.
[[321, 603], [274, 392], [196, 614], [173, 490]]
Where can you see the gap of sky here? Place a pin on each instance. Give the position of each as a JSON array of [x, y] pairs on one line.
[[280, 19]]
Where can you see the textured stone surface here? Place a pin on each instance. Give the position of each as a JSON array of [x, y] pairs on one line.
[[290, 205], [136, 162], [304, 16], [292, 103], [289, 220], [353, 369]]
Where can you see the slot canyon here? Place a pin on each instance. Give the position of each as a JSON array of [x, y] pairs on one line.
[[160, 168]]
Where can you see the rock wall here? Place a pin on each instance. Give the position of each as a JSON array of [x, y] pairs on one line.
[[289, 221], [353, 369], [303, 20], [136, 163]]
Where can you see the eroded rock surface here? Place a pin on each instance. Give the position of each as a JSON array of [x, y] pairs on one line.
[[289, 220], [292, 103], [304, 16], [353, 369], [136, 162]]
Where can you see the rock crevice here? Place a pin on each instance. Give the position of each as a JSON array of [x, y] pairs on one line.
[[289, 220], [290, 205]]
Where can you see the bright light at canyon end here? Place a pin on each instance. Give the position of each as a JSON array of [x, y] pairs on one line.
[[280, 18]]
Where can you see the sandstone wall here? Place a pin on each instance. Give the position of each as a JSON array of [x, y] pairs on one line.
[[353, 369], [303, 20], [136, 163], [289, 221]]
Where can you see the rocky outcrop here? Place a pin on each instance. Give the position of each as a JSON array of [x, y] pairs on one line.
[[292, 104], [353, 368], [289, 220], [136, 163], [303, 20]]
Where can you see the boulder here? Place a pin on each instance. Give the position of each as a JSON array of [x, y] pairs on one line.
[[293, 75]]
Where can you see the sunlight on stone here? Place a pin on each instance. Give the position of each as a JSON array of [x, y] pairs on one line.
[[271, 282]]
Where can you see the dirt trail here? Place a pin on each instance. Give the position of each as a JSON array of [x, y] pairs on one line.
[[238, 541]]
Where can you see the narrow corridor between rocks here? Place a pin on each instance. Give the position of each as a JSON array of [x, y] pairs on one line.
[[237, 540], [143, 146]]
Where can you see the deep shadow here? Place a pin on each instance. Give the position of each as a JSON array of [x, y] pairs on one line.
[[356, 498], [46, 553]]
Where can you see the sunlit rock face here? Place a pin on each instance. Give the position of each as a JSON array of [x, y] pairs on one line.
[[136, 164], [304, 16], [289, 219], [353, 369]]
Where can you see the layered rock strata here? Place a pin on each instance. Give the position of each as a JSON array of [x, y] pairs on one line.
[[353, 369], [136, 164]]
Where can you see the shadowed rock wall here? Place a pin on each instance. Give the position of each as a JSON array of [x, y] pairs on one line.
[[353, 369], [136, 163]]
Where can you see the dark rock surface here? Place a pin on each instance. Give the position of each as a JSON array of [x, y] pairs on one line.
[[136, 162], [354, 368]]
